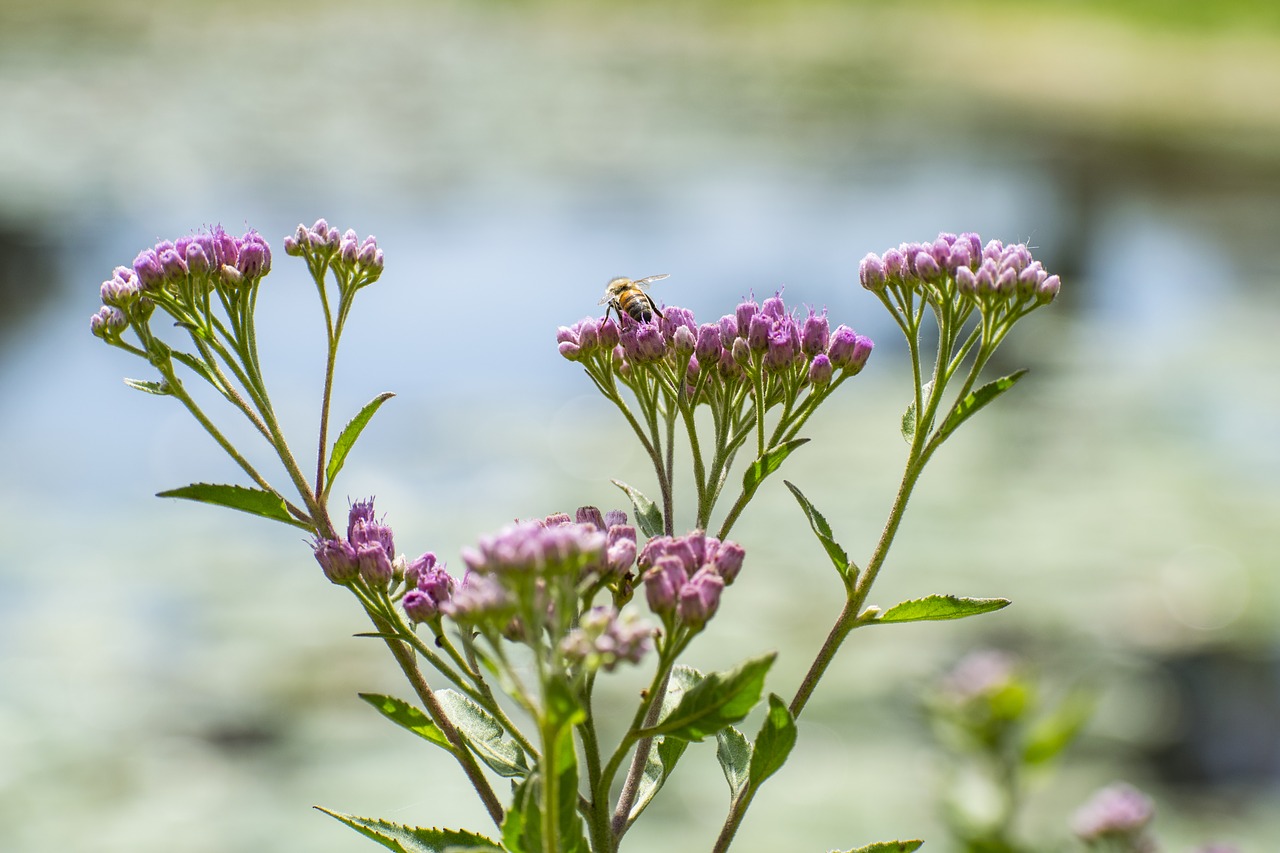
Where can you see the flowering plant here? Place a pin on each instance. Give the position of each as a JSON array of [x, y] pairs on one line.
[[546, 606]]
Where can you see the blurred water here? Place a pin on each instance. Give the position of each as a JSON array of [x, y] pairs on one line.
[[171, 671]]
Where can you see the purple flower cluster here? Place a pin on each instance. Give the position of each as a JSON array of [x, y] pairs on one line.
[[988, 273], [186, 267], [430, 588], [360, 261], [764, 337], [367, 551], [595, 543], [684, 576], [1118, 811], [604, 638]]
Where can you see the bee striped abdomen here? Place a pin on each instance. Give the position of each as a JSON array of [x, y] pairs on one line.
[[637, 304]]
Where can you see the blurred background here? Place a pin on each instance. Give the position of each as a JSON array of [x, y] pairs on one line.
[[174, 676]]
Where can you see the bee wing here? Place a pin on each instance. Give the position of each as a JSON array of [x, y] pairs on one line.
[[646, 281]]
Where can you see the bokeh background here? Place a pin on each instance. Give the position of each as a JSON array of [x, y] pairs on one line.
[[174, 676]]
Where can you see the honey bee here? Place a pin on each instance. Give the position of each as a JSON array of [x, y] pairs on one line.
[[624, 294]]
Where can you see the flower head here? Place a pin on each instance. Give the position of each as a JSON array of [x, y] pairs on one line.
[[1119, 812], [604, 638], [685, 575]]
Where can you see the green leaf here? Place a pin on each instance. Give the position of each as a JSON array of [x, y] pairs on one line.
[[718, 700], [822, 530], [347, 438], [774, 742], [662, 760], [890, 847], [410, 839], [522, 826], [1052, 734], [160, 389], [735, 757], [408, 717], [484, 734], [909, 416], [252, 501], [933, 608], [764, 466], [648, 516], [975, 400]]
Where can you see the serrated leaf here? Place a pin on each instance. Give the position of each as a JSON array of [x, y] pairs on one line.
[[160, 389], [758, 470], [975, 400], [252, 501], [407, 717], [648, 516], [933, 608], [485, 735], [822, 530], [347, 438], [890, 847], [718, 700], [411, 839], [774, 741], [1051, 735], [734, 754]]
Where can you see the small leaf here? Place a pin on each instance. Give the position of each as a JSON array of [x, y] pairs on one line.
[[1055, 732], [774, 742], [252, 501], [890, 847], [718, 700], [822, 530], [648, 516], [909, 416], [767, 464], [933, 608], [347, 438], [663, 756], [975, 400], [160, 389], [408, 717], [410, 839], [735, 757], [484, 734]]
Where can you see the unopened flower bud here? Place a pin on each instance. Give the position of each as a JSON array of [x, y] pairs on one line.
[[743, 314], [683, 341], [727, 560], [966, 283], [1047, 290], [375, 564], [254, 257], [591, 515], [1006, 281], [662, 584], [615, 517], [927, 267], [147, 267], [610, 333], [173, 265], [895, 265], [338, 560], [820, 370], [758, 333], [707, 348], [816, 334], [419, 607], [700, 598], [871, 272]]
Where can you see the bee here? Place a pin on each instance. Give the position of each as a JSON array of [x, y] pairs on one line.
[[624, 294]]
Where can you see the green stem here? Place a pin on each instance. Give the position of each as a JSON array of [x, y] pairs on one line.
[[404, 657]]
